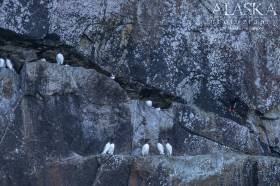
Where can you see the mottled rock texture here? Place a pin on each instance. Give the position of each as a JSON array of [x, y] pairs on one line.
[[215, 169], [191, 62]]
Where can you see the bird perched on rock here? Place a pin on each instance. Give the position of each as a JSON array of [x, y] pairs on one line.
[[59, 59], [145, 149], [149, 103], [43, 60], [168, 148], [113, 76], [106, 148], [160, 148], [2, 63], [9, 64], [109, 148]]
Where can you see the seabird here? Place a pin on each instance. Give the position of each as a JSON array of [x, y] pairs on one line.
[[59, 59], [168, 148], [160, 148], [16, 151], [43, 60], [158, 109], [106, 148], [113, 77], [9, 64], [2, 63], [145, 149], [109, 148], [149, 103]]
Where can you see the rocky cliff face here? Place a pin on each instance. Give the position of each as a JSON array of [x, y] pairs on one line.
[[190, 61]]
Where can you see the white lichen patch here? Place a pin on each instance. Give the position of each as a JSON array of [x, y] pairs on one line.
[[14, 15], [273, 58], [217, 74]]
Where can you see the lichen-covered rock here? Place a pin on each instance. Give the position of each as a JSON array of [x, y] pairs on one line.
[[54, 111], [181, 47], [219, 129], [215, 169], [207, 59], [186, 142], [149, 123], [67, 109]]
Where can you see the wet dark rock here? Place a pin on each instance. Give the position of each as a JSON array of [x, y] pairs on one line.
[[74, 170], [215, 169], [72, 109], [54, 111]]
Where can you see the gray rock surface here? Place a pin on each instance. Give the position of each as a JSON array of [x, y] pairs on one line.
[[219, 129], [73, 109], [212, 169], [180, 47]]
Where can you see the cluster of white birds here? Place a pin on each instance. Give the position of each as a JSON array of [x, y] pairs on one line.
[[160, 147], [109, 148], [6, 64], [149, 103]]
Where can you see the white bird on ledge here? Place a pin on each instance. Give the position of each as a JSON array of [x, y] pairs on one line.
[[59, 59], [149, 103], [109, 148], [145, 149], [168, 148], [160, 148], [9, 64]]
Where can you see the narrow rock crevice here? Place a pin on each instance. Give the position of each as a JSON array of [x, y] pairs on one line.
[[203, 136], [48, 48]]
